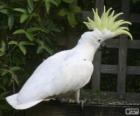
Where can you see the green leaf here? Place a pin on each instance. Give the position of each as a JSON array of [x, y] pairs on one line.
[[10, 21], [20, 10], [29, 35], [51, 27], [76, 9], [12, 71], [25, 43], [19, 31], [62, 12], [4, 11], [39, 50], [22, 48], [58, 2], [54, 2], [13, 43], [48, 49], [2, 53], [4, 72], [2, 6], [14, 77], [15, 68], [71, 19], [24, 17], [2, 48], [47, 5], [34, 29], [30, 5], [42, 46], [68, 1]]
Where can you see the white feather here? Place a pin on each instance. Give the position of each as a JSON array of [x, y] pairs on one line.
[[65, 71]]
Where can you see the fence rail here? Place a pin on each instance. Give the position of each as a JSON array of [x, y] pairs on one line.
[[123, 44]]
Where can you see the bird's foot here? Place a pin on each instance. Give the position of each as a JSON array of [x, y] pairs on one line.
[[67, 100], [81, 102]]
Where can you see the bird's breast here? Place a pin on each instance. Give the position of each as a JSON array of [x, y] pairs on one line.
[[77, 73]]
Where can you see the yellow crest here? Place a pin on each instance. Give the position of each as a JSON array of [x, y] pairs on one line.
[[108, 20]]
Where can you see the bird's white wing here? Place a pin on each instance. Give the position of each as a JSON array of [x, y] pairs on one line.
[[31, 92], [42, 78], [56, 75], [73, 74]]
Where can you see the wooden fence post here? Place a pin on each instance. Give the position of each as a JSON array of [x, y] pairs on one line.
[[97, 60], [122, 69]]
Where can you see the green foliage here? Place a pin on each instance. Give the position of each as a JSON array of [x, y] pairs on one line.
[[70, 13], [27, 35], [2, 48], [135, 1]]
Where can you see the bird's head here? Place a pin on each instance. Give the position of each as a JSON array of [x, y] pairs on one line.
[[107, 26]]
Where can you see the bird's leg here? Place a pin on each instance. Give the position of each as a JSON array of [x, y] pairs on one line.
[[67, 97], [77, 98], [73, 97]]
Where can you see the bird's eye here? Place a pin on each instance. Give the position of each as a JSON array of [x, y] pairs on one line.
[[99, 40]]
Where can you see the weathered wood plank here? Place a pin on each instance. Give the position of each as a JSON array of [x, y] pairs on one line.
[[85, 14], [121, 81], [100, 5], [112, 43], [135, 18], [133, 70], [55, 109], [97, 60], [109, 69], [112, 69], [107, 97], [122, 66], [125, 7], [134, 44], [96, 75]]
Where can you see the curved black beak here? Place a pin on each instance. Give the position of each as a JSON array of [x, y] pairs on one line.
[[103, 46]]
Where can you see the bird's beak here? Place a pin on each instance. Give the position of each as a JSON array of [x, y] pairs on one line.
[[103, 44]]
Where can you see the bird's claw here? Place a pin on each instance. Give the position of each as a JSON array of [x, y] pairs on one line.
[[82, 102], [64, 100]]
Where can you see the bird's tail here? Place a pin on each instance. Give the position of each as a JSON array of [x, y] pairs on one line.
[[12, 100]]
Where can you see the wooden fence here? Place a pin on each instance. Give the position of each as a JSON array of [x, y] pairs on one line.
[[122, 44]]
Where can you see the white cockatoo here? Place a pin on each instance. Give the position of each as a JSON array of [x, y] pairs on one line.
[[69, 70]]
